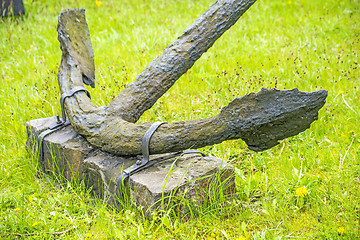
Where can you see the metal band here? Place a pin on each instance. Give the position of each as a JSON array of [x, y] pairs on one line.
[[145, 143], [144, 162], [61, 123], [194, 152], [58, 126], [69, 94]]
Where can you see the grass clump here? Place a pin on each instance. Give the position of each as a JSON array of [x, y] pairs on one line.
[[306, 187]]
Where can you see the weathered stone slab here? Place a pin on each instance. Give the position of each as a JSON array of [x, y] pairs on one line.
[[188, 175], [70, 156], [64, 151]]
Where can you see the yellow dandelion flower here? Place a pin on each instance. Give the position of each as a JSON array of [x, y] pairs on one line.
[[88, 235], [98, 3], [289, 2], [351, 132], [17, 209], [341, 230], [340, 92], [241, 238], [34, 224], [301, 192]]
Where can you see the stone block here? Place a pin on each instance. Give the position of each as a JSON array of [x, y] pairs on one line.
[[69, 156]]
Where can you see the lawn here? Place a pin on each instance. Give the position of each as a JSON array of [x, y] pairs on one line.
[[306, 187]]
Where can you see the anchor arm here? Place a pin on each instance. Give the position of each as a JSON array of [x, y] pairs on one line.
[[177, 58], [260, 119]]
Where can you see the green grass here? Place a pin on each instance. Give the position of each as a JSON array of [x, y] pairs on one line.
[[308, 44]]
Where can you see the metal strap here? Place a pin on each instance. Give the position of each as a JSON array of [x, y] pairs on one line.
[[60, 123], [47, 132], [145, 143], [145, 149], [194, 152], [69, 94]]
